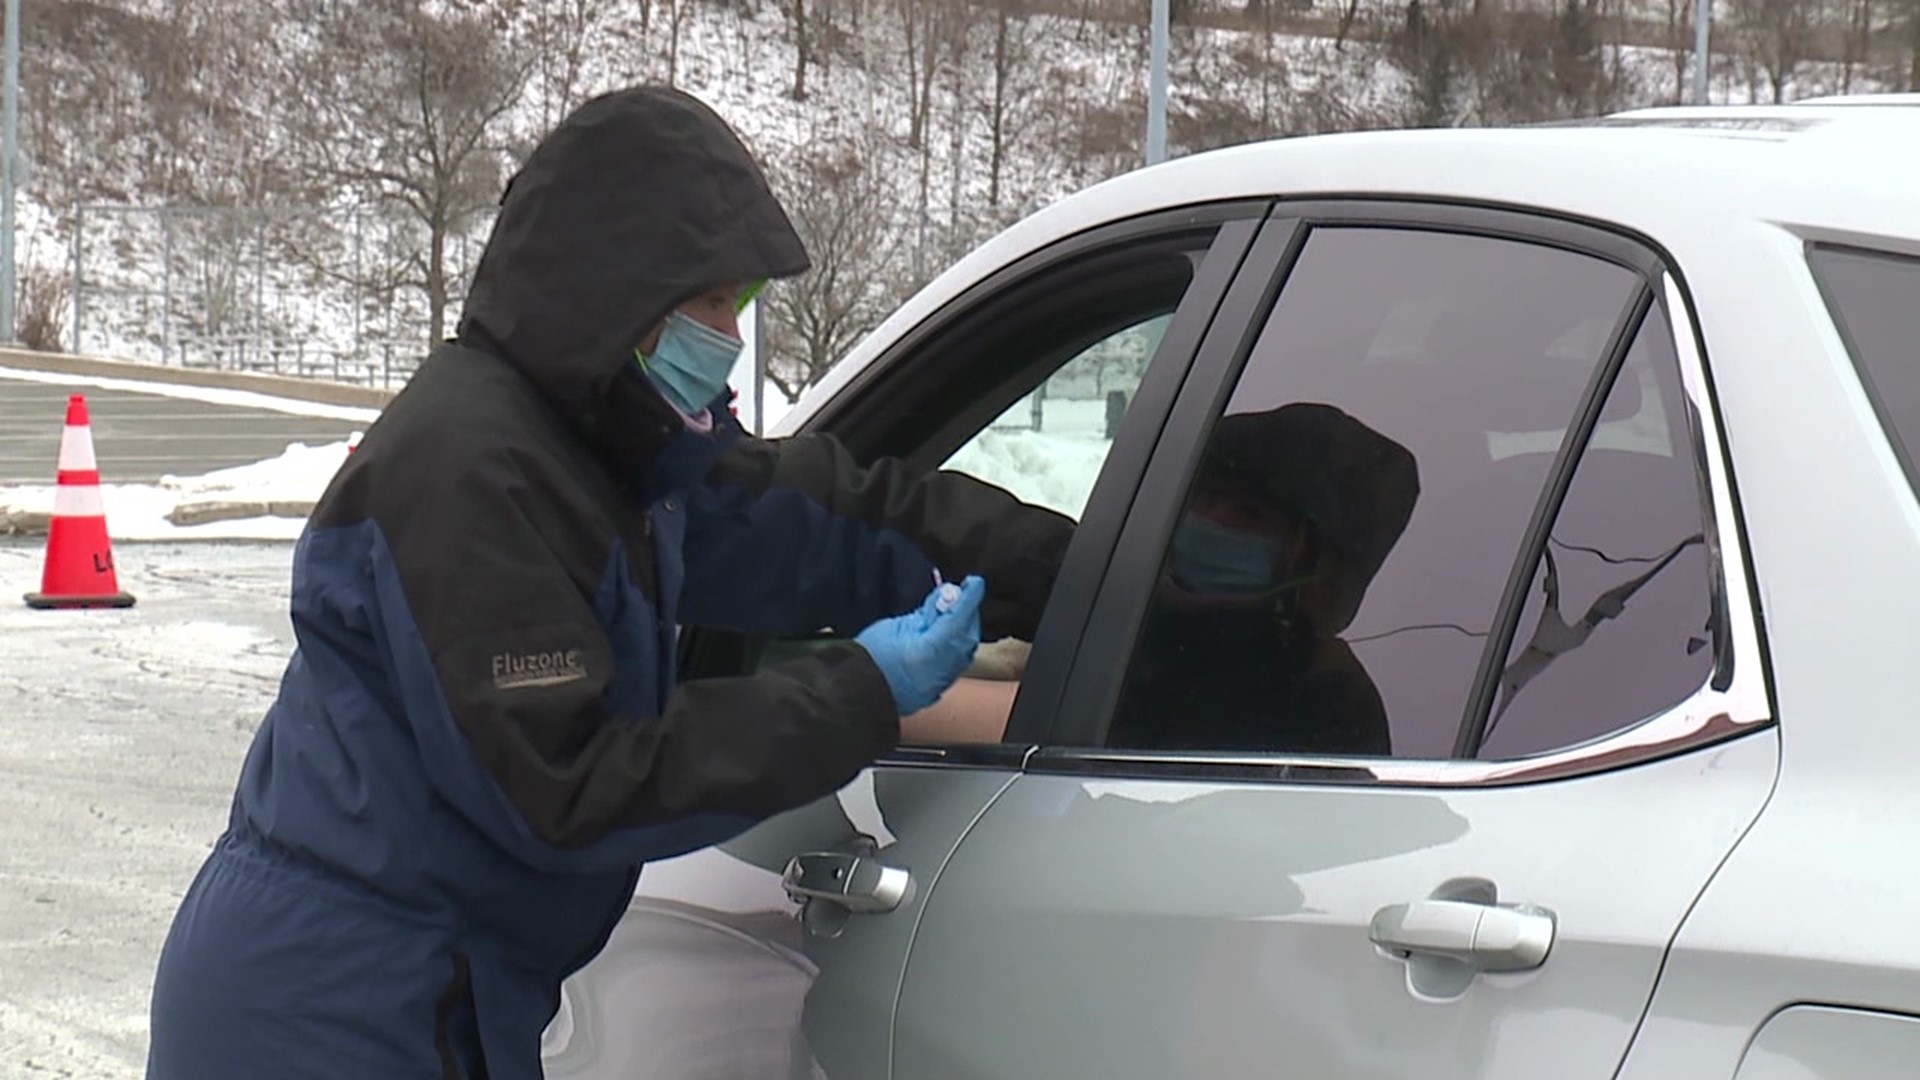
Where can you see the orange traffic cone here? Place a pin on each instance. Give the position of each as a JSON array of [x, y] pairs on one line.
[[79, 571]]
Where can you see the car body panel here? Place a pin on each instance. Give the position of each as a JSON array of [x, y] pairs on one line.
[[1815, 1042], [1809, 906], [1814, 903], [622, 1015], [1167, 929], [712, 972]]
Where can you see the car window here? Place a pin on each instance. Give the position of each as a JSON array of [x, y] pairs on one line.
[[1025, 389], [1359, 506], [1049, 446], [1617, 622], [1875, 299]]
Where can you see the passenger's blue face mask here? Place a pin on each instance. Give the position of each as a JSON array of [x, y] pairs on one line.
[[1212, 559], [691, 363]]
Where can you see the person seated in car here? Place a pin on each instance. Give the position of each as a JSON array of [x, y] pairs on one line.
[[976, 707], [1292, 514]]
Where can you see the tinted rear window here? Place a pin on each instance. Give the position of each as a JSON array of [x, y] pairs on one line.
[[1875, 299]]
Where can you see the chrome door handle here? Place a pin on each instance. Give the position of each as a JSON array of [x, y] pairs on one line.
[[855, 882], [1488, 937]]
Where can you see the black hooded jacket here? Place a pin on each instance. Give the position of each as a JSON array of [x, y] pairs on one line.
[[486, 601]]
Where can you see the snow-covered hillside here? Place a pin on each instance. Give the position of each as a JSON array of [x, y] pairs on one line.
[[932, 123]]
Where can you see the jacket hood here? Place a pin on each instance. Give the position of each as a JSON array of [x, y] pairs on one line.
[[638, 200], [1355, 485]]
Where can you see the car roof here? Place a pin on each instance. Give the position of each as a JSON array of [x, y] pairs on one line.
[[1835, 169], [1911, 101], [1636, 169]]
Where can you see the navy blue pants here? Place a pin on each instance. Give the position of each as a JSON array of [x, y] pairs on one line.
[[275, 969]]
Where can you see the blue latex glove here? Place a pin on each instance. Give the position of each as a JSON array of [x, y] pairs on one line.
[[922, 652]]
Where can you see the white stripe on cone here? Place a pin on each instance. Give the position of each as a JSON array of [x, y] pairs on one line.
[[78, 500], [76, 450]]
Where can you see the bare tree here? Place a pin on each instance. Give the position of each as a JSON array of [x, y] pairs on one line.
[[416, 122], [676, 21], [1779, 35], [1678, 39], [1912, 65], [211, 249], [1859, 46], [1011, 38], [160, 102], [1348, 15], [1482, 62], [1432, 46], [43, 300], [839, 208], [1271, 67], [1582, 80], [559, 35], [926, 27], [802, 54]]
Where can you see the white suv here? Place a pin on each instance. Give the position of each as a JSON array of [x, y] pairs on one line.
[[1581, 744]]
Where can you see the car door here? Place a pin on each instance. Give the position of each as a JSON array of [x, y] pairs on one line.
[[1421, 699], [780, 953]]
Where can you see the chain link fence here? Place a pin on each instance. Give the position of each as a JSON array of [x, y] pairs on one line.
[[318, 293], [335, 294]]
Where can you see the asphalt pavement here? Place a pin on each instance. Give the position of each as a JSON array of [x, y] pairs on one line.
[[139, 438], [123, 734]]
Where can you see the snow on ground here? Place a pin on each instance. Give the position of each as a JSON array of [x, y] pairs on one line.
[[126, 729], [1054, 467], [211, 395], [139, 511], [299, 475], [124, 733]]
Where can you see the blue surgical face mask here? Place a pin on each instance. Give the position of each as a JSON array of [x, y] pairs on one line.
[[691, 363], [1213, 559]]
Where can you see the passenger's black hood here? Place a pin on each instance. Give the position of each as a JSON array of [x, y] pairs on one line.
[[637, 201], [1357, 486]]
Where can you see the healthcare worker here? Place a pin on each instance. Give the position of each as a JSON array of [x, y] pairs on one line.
[[479, 738]]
